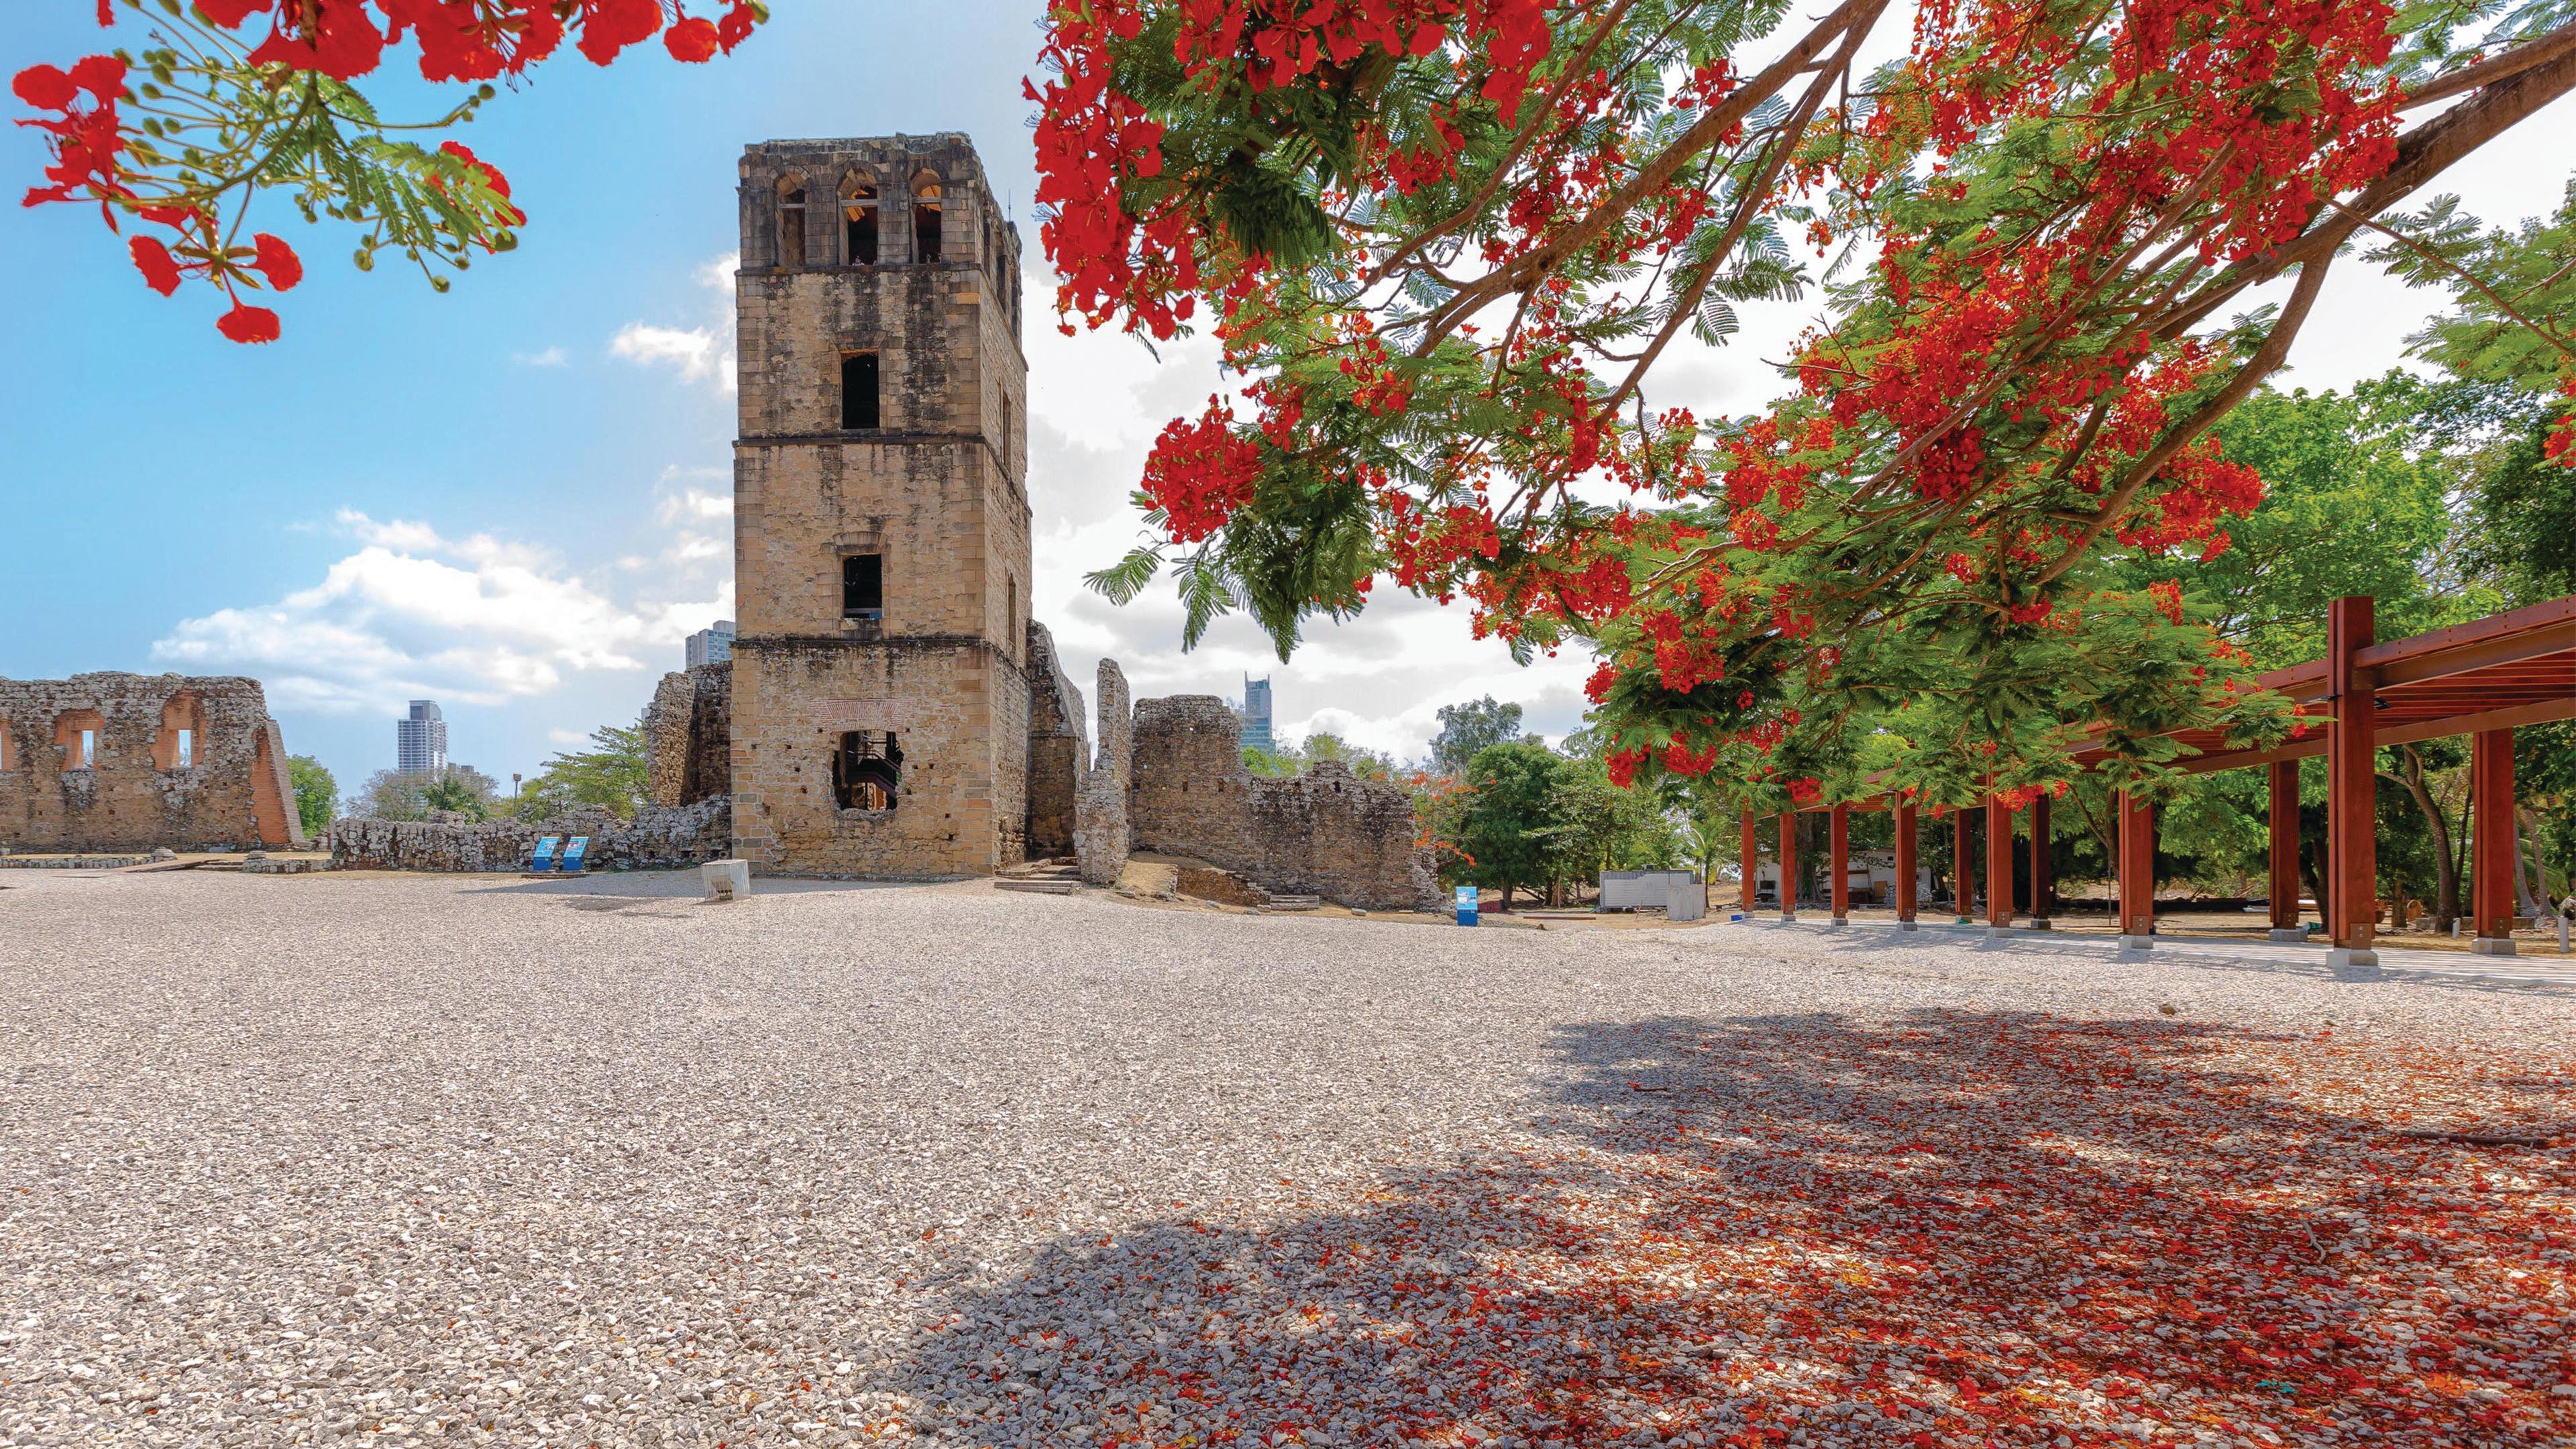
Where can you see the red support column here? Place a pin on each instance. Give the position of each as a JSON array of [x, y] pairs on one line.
[[2352, 789], [2137, 872], [1962, 872], [1789, 865], [1999, 872], [2491, 836], [2283, 813], [1751, 861], [1841, 853], [2043, 866], [1907, 849]]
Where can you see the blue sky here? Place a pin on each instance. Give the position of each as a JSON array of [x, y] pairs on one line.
[[516, 496]]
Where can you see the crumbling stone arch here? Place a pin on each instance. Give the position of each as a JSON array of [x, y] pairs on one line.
[[791, 220], [181, 742], [929, 215], [860, 212]]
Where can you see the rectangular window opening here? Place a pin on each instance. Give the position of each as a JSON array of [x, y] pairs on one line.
[[859, 390], [85, 756], [867, 769], [185, 756], [863, 586]]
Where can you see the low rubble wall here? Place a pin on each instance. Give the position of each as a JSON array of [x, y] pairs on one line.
[[658, 838]]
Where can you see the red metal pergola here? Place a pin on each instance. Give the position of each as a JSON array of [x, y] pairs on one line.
[[2482, 680]]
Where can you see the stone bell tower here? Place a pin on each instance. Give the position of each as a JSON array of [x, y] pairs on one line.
[[881, 519]]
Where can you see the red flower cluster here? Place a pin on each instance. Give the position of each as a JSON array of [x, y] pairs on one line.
[[1123, 244], [459, 40], [2561, 445], [471, 40], [1199, 473]]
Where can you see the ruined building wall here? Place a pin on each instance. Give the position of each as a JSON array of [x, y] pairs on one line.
[[934, 490], [1324, 832], [1102, 832], [658, 838], [134, 794], [688, 736], [1059, 749]]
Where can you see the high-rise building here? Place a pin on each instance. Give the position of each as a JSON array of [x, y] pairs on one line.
[[420, 740], [711, 645], [1256, 714]]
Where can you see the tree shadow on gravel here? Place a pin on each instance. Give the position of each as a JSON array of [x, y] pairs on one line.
[[1958, 1228]]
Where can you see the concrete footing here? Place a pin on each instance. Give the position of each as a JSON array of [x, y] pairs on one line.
[[2491, 946], [1788, 918], [1999, 933], [2042, 923], [2343, 958], [1837, 923], [2293, 934], [1908, 926], [2137, 943]]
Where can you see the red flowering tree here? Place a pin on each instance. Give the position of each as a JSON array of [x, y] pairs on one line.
[[1449, 242], [229, 98]]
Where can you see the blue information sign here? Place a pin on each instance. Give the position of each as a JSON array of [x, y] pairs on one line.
[[1466, 905], [545, 859], [573, 853]]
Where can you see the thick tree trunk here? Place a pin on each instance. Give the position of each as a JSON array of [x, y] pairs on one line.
[[2532, 903], [2446, 907]]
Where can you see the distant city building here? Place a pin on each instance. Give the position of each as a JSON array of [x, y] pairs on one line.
[[420, 740], [712, 645], [1256, 714]]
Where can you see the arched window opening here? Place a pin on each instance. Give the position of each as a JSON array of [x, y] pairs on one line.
[[183, 731], [926, 217], [76, 734], [791, 221], [859, 220], [867, 769]]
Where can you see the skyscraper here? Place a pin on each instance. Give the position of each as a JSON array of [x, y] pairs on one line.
[[712, 645], [1256, 714], [420, 740]]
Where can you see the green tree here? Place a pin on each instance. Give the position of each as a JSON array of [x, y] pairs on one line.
[[317, 795], [614, 774], [1596, 826], [1505, 826], [394, 795], [1470, 727]]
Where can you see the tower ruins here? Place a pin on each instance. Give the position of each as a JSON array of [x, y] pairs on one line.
[[882, 665]]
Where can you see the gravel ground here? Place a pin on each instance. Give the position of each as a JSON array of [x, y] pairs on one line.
[[349, 1159]]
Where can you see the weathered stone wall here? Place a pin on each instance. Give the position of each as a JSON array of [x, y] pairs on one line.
[[936, 491], [658, 838], [1324, 832], [688, 736], [1059, 749], [1102, 835], [961, 805], [133, 795]]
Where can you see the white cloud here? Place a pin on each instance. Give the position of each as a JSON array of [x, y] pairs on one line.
[[567, 737], [551, 357], [411, 613], [703, 353]]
